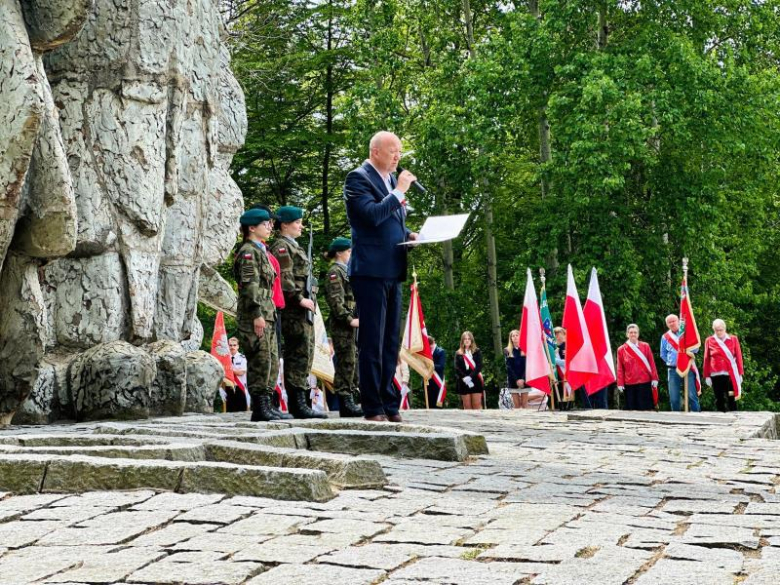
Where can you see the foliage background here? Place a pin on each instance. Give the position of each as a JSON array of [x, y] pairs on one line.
[[617, 134]]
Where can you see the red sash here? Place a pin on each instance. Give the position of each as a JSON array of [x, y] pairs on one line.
[[637, 353], [442, 386], [736, 379], [472, 366]]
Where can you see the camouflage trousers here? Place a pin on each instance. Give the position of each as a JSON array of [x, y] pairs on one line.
[[345, 382], [262, 358], [297, 349]]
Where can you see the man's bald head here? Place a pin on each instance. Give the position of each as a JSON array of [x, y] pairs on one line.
[[384, 151]]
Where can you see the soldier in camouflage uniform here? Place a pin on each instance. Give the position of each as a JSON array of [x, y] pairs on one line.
[[256, 313], [297, 331], [343, 324]]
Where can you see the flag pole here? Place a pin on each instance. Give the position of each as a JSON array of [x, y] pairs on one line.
[[553, 384], [425, 382], [685, 381]]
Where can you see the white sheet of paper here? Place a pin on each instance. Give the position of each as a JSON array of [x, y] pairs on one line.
[[439, 228]]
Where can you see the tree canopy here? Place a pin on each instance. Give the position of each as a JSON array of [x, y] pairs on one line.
[[623, 135]]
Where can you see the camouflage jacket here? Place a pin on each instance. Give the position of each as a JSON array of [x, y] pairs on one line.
[[338, 293], [254, 275], [294, 265]]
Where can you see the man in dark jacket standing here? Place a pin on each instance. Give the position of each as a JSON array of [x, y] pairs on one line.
[[376, 207]]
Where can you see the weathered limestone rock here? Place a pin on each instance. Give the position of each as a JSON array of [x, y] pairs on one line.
[[112, 380], [48, 400], [21, 333], [204, 375], [125, 159], [192, 343], [169, 389]]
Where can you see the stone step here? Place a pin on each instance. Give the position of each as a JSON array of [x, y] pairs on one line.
[[475, 443], [343, 471], [440, 447], [25, 474]]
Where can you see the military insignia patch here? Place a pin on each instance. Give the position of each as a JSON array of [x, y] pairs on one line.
[[333, 277], [247, 256], [282, 250]]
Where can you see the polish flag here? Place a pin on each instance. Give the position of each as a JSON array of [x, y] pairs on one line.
[[532, 342], [596, 321], [581, 364], [219, 346]]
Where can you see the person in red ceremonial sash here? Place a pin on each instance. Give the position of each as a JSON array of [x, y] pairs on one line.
[[723, 369], [636, 373], [468, 367], [670, 347]]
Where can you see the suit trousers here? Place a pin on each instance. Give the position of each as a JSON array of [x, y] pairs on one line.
[[379, 310]]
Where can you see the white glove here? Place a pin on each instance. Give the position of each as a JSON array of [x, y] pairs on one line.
[[621, 388], [655, 384], [468, 381], [708, 381]]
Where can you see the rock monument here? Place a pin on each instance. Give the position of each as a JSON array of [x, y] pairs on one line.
[[118, 123]]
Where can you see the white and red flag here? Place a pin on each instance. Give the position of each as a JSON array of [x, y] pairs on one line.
[[415, 348], [219, 346], [441, 384], [596, 320], [581, 364], [532, 341], [279, 388], [688, 336]]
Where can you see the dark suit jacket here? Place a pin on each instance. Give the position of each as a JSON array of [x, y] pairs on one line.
[[378, 226], [439, 361]]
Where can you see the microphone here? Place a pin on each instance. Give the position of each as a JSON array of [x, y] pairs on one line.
[[415, 184]]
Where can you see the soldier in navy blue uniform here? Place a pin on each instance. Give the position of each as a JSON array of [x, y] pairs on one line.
[[375, 201]]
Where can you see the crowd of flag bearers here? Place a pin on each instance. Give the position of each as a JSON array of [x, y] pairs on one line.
[[557, 363]]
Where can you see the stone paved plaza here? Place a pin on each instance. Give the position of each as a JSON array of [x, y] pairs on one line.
[[599, 497]]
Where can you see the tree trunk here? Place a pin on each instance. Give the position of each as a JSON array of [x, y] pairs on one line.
[[495, 315], [601, 36], [328, 129], [490, 240], [545, 152]]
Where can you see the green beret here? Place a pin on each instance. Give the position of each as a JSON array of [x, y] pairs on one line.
[[288, 213], [254, 217], [339, 245]]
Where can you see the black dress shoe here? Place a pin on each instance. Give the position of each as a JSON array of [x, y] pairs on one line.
[[376, 418], [395, 418], [348, 408]]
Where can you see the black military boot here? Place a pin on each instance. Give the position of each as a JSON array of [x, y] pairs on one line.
[[348, 408], [261, 409], [280, 415], [298, 406]]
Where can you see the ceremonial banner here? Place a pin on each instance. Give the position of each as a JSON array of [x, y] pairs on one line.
[[322, 366], [415, 348], [532, 342], [596, 321], [219, 346], [547, 327], [688, 337], [581, 364]]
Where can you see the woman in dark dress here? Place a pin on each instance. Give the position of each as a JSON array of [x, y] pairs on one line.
[[515, 370], [468, 367]]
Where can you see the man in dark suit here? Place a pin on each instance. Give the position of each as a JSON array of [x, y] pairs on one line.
[[376, 207], [439, 361]]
